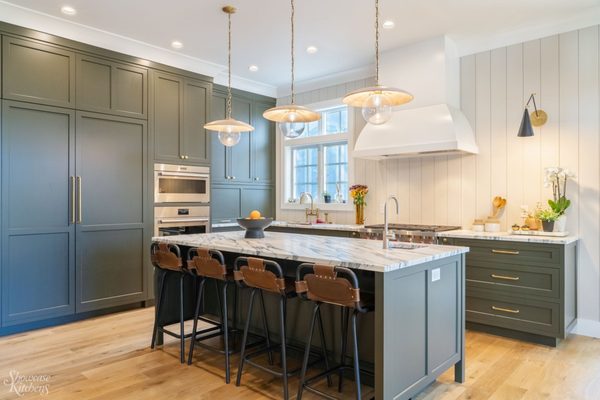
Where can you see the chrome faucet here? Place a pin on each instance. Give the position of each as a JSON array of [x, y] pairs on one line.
[[309, 211], [385, 220]]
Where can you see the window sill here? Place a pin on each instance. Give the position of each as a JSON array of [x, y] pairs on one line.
[[347, 207]]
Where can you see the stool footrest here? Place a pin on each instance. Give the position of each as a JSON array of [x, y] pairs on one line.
[[173, 334]]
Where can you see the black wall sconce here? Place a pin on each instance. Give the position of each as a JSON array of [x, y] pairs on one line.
[[537, 118]]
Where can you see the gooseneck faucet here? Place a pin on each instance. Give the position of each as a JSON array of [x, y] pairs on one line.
[[312, 210], [385, 220]]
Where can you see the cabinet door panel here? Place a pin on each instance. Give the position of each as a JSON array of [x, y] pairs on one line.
[[94, 78], [240, 161], [218, 153], [225, 204], [130, 87], [257, 199], [167, 116], [111, 161], [38, 239], [263, 145], [38, 73], [195, 138]]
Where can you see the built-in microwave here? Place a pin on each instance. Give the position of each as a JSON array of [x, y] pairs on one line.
[[181, 184]]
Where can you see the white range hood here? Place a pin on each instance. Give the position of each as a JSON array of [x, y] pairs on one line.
[[432, 123]]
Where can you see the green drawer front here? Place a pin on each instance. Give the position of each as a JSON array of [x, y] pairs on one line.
[[514, 313], [513, 252], [514, 279]]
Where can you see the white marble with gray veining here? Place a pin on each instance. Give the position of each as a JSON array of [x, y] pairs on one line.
[[507, 236], [352, 253]]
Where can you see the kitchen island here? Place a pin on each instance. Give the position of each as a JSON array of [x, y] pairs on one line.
[[417, 329]]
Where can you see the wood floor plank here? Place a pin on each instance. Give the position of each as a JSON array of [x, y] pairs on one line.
[[109, 358]]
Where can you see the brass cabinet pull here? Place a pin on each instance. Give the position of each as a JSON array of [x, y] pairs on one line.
[[508, 310], [511, 252], [73, 200], [508, 278], [79, 212]]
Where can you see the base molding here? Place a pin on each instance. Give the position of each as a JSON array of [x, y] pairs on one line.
[[587, 327]]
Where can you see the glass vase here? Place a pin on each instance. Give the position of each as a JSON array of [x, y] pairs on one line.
[[360, 213]]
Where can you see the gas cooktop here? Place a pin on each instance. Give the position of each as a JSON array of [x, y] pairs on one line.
[[413, 227]]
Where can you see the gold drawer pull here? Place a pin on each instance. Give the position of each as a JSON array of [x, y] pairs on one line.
[[508, 278], [511, 252], [505, 310]]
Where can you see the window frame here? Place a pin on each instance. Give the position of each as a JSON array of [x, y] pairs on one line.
[[286, 160]]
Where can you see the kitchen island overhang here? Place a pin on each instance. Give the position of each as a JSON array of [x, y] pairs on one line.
[[418, 322]]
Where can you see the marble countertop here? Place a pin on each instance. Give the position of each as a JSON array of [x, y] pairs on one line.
[[352, 253], [508, 236], [301, 225]]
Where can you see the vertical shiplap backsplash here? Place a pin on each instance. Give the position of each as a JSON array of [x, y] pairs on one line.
[[563, 70]]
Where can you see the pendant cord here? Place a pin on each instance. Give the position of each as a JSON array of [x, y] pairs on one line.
[[229, 67], [292, 47], [377, 42]]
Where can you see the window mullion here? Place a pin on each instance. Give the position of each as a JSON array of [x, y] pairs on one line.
[[321, 171]]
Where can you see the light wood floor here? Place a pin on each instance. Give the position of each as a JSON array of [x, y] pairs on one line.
[[109, 358]]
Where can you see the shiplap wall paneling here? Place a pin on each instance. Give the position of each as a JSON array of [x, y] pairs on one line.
[[589, 172], [483, 129], [498, 148], [469, 162]]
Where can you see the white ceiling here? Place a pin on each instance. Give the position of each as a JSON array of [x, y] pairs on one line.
[[341, 29]]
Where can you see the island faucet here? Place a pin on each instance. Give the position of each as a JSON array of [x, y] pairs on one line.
[[385, 220], [309, 211]]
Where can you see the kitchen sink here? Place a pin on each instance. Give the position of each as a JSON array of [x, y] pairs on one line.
[[405, 246]]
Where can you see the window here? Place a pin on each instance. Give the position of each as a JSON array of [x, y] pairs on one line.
[[317, 161]]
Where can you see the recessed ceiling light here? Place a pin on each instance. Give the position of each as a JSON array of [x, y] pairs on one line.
[[311, 49], [176, 44], [68, 10], [389, 24], [253, 68]]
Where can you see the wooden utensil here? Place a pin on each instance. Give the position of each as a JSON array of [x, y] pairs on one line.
[[498, 203]]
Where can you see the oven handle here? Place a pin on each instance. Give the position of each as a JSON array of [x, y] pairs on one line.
[[185, 174], [170, 220]]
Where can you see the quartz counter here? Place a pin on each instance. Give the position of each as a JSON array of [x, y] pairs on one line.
[[508, 236]]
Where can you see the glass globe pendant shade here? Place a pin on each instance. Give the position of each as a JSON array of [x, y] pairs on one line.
[[229, 138], [377, 109], [292, 130]]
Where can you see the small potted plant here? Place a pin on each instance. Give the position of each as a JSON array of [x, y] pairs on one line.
[[326, 197], [548, 216]]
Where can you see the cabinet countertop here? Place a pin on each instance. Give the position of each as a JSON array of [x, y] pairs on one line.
[[508, 236], [352, 253]]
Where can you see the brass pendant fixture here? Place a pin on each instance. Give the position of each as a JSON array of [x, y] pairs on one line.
[[377, 101], [229, 129], [292, 118]]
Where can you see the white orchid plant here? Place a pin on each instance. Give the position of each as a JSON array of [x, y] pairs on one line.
[[556, 177]]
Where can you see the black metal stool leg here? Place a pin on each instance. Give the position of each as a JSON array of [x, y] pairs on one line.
[[323, 345], [356, 360], [161, 284], [344, 329], [246, 328], [224, 322], [218, 294], [196, 315], [316, 311], [235, 307], [284, 371], [266, 327], [181, 322]]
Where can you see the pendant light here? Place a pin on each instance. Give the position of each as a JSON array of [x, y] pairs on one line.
[[291, 118], [377, 101], [229, 129], [538, 118]]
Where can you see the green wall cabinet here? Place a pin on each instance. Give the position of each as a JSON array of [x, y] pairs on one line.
[[229, 202], [109, 87], [37, 72], [180, 107]]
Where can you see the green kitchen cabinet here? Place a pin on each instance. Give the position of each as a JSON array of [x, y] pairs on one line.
[[252, 159], [519, 289], [109, 87], [38, 225], [114, 223], [258, 198], [37, 72], [225, 203], [179, 110]]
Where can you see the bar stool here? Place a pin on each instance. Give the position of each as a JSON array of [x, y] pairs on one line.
[[267, 276], [167, 258], [209, 265], [338, 286]]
